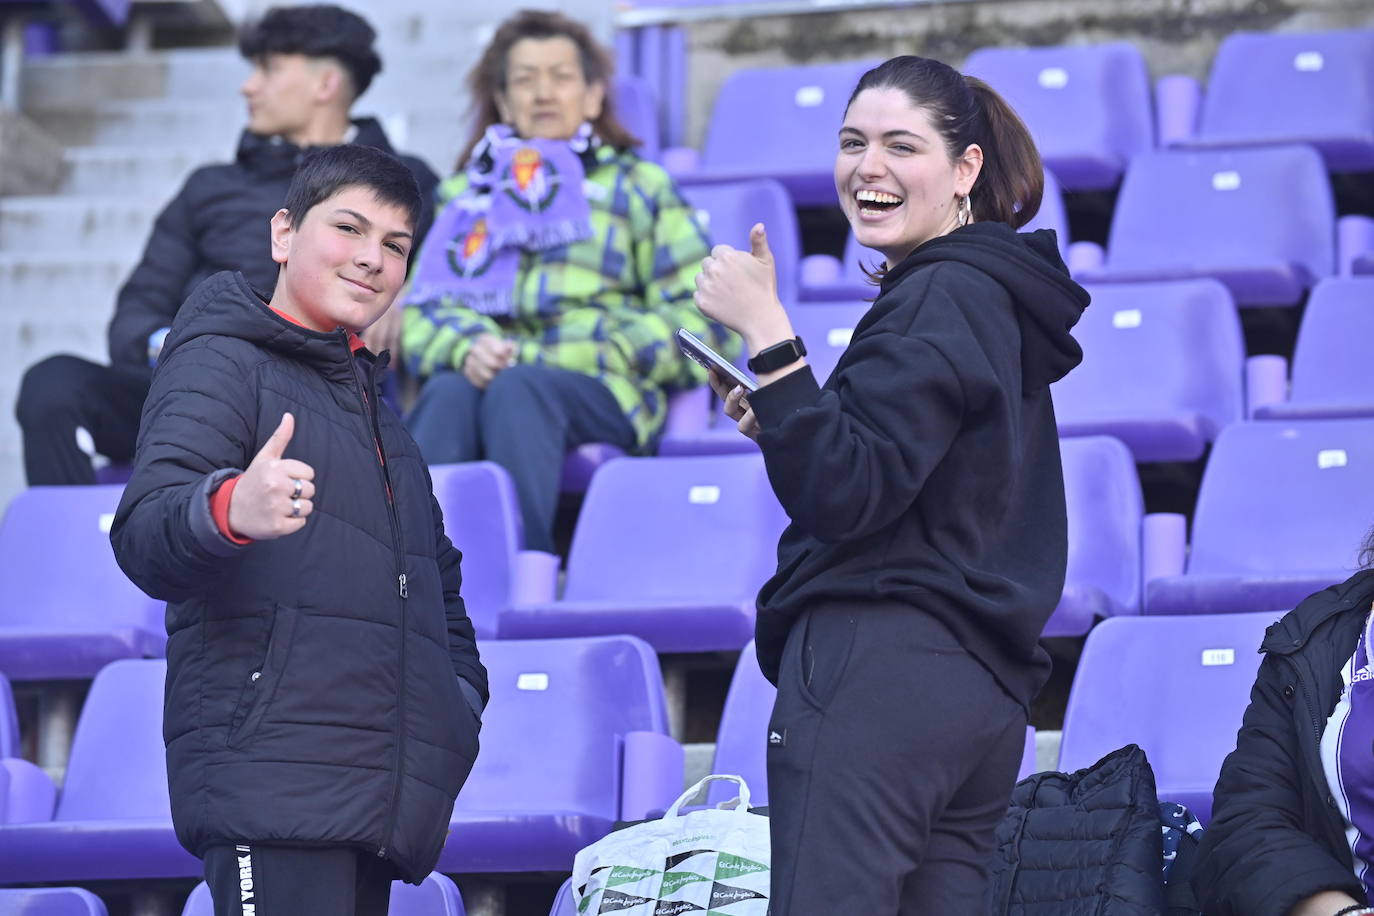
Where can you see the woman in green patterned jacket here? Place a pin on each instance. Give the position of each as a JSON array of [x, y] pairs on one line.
[[543, 304]]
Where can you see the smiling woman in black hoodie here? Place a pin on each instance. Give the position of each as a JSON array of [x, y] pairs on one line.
[[927, 546]]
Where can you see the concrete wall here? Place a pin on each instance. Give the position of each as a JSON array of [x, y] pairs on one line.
[[1176, 36]]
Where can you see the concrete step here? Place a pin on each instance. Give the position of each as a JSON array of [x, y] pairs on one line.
[[35, 225], [145, 122], [74, 286], [153, 172]]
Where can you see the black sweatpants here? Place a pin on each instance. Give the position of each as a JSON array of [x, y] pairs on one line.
[[62, 393], [262, 880], [891, 759]]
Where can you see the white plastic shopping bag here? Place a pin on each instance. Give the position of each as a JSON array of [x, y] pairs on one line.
[[708, 861]]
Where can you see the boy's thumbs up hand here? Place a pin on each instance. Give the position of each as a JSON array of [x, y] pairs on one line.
[[275, 496]]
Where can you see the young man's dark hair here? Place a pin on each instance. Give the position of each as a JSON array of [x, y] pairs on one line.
[[309, 63], [318, 30], [327, 171]]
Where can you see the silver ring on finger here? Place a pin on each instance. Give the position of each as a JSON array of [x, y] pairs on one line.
[[300, 485], [295, 508]]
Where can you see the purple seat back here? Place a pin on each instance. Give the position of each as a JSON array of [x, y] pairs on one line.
[[50, 901], [1105, 508], [742, 740], [563, 903], [482, 519], [1051, 215], [797, 140], [1260, 220], [1285, 499], [1163, 368], [552, 733], [1330, 376], [60, 577], [1307, 87], [826, 329], [9, 721], [1139, 682], [437, 896], [1088, 107], [638, 112], [118, 767], [729, 210], [700, 528]]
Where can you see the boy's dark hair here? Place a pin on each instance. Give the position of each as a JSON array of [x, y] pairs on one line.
[[328, 170], [319, 30]]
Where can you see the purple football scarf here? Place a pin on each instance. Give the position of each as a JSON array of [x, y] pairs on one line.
[[522, 195]]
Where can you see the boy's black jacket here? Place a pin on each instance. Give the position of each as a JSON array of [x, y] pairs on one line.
[[308, 702]]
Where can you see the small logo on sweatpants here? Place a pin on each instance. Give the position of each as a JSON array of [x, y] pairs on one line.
[[246, 881], [777, 737]]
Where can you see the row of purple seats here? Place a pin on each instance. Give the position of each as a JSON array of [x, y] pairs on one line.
[[598, 701], [1139, 681], [437, 896], [9, 721]]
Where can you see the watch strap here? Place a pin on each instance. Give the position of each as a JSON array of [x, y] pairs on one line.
[[778, 356]]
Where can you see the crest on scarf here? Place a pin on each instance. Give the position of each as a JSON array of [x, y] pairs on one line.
[[470, 255], [531, 180]]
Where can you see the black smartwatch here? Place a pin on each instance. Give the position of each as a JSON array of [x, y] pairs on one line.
[[778, 356]]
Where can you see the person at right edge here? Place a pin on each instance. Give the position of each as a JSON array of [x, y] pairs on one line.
[[927, 544]]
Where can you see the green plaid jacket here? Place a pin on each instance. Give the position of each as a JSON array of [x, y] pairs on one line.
[[607, 306]]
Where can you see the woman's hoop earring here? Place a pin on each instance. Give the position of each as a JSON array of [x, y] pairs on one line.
[[965, 210]]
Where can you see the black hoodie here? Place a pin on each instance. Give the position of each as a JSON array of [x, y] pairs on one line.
[[314, 682], [925, 473], [219, 221]]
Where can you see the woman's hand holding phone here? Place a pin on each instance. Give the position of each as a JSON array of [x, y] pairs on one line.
[[736, 404]]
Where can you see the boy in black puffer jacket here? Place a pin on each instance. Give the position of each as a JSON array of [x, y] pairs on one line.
[[324, 689]]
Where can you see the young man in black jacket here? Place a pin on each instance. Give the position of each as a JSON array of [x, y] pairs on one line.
[[1278, 843], [309, 65], [324, 689]]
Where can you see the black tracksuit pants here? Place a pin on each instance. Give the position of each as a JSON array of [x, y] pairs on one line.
[[62, 393], [258, 880], [891, 759]]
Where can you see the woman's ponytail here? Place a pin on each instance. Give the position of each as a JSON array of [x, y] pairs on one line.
[[1012, 182]]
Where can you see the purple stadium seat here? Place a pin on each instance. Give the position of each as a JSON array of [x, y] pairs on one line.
[[437, 896], [672, 550], [824, 278], [1281, 513], [9, 721], [1105, 511], [826, 329], [1331, 378], [730, 209], [796, 143], [1139, 681], [1305, 87], [574, 739], [638, 112], [1088, 107], [68, 608], [50, 901], [113, 818], [1163, 368], [563, 903], [482, 518], [1262, 221]]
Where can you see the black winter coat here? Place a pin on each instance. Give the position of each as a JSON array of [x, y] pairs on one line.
[[311, 690], [219, 221], [1276, 835]]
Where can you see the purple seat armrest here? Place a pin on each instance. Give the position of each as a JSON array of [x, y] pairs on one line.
[[1266, 384], [679, 160], [1164, 545], [536, 578], [1178, 99], [32, 797], [820, 270], [651, 775], [1354, 239], [1085, 257]]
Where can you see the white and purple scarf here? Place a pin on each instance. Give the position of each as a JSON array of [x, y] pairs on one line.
[[522, 195]]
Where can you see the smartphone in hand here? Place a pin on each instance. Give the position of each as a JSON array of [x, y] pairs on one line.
[[709, 359]]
